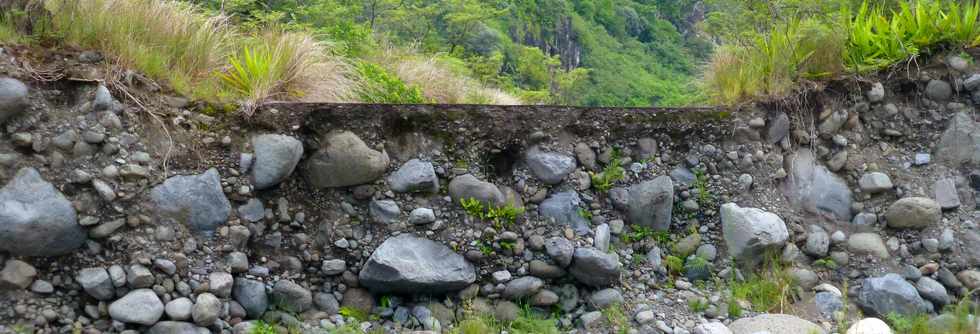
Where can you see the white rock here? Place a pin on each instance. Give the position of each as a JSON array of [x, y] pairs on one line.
[[869, 326]]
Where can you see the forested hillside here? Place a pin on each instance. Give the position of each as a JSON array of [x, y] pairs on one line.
[[581, 52]]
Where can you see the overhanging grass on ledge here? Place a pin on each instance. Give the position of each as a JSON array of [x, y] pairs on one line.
[[775, 62], [201, 56]]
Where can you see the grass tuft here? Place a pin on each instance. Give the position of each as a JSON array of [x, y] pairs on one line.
[[768, 289]]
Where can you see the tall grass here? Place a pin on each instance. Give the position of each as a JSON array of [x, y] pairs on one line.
[[440, 80], [871, 38]]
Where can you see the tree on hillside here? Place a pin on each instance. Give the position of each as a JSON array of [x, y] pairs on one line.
[[462, 17]]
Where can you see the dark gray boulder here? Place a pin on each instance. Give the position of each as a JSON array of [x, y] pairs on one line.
[[549, 167], [564, 208], [960, 143], [13, 98], [407, 264], [651, 203], [250, 294], [276, 157], [36, 219], [816, 189], [884, 295], [414, 176], [468, 186], [195, 200], [344, 160], [594, 268]]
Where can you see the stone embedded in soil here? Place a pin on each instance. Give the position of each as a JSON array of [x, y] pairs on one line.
[[206, 310], [141, 306], [344, 160], [867, 244], [946, 194], [549, 167], [36, 219], [814, 188], [13, 98], [960, 143], [884, 295], [406, 264], [414, 176], [291, 297], [869, 326], [96, 282], [565, 209], [913, 213], [651, 203], [774, 323], [939, 91], [750, 232], [16, 274], [178, 327], [276, 157], [251, 295], [594, 268], [875, 182], [194, 200], [468, 186]]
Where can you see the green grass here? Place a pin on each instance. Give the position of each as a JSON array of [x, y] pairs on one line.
[[640, 233], [527, 322], [827, 263], [697, 305], [617, 318], [613, 173], [962, 319], [382, 86], [354, 313], [500, 216], [768, 289]]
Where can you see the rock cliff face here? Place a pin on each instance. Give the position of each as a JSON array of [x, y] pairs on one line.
[[418, 214]]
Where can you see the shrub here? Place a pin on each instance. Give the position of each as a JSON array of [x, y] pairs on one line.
[[380, 86]]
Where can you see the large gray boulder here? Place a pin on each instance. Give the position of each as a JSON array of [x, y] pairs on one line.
[[140, 306], [564, 208], [276, 157], [344, 160], [913, 213], [291, 296], [884, 295], [549, 167], [816, 189], [774, 323], [960, 144], [194, 200], [13, 98], [414, 176], [651, 203], [594, 268], [407, 264], [250, 294], [36, 219], [468, 186], [750, 232]]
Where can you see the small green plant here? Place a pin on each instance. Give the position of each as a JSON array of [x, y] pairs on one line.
[[617, 317], [697, 264], [697, 305], [473, 207], [768, 289], [382, 86], [639, 233], [385, 301], [675, 265], [354, 313], [734, 310], [915, 324], [613, 173], [262, 327], [500, 215], [826, 263], [585, 213], [705, 197], [507, 245]]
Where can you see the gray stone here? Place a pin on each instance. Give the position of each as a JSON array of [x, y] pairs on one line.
[[344, 160], [140, 306], [774, 323], [333, 267], [972, 82], [13, 98], [833, 122], [106, 229], [710, 328], [867, 244], [932, 291], [139, 276], [875, 182], [251, 295], [749, 232], [42, 287], [969, 278], [939, 91], [276, 157], [16, 274], [601, 241], [586, 156], [549, 167], [946, 194], [605, 298], [544, 298], [522, 287], [421, 216], [177, 327], [406, 264], [104, 189], [291, 297], [651, 202], [96, 282], [252, 211], [828, 303], [595, 268], [682, 176], [884, 295], [221, 284], [913, 213], [960, 143], [194, 200], [565, 209], [817, 242], [179, 309], [206, 310], [414, 176], [326, 302], [468, 186], [778, 128], [36, 219], [876, 93], [812, 187], [384, 211], [560, 250], [102, 99]]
